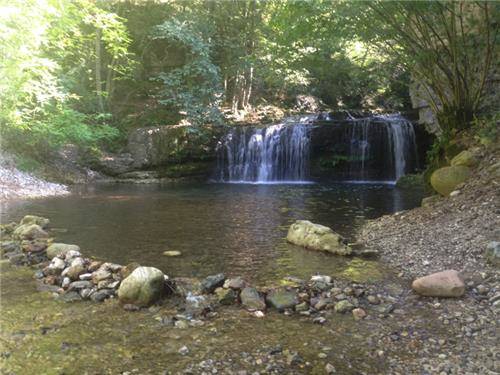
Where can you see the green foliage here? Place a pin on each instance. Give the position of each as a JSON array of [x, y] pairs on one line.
[[193, 88], [487, 129]]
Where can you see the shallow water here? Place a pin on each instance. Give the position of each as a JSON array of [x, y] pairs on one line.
[[236, 229]]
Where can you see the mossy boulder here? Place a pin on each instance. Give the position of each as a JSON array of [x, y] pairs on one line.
[[317, 237], [465, 159], [58, 249], [445, 180], [38, 220], [143, 287], [282, 299], [30, 232]]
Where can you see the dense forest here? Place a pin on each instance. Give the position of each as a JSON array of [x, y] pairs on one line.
[[86, 72]]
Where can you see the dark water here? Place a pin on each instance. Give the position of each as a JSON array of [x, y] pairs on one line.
[[236, 229]]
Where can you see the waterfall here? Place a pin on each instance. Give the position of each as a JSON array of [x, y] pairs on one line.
[[369, 149], [276, 153]]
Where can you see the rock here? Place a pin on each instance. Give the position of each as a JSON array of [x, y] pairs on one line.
[[210, 283], [322, 279], [78, 285], [493, 253], [187, 285], [465, 159], [73, 272], [304, 306], [30, 232], [101, 295], [85, 276], [251, 299], [322, 303], [100, 275], [317, 237], [226, 296], [114, 165], [72, 254], [17, 259], [94, 266], [8, 246], [236, 283], [430, 201], [38, 220], [374, 300], [172, 253], [445, 180], [447, 283], [144, 286], [128, 269], [60, 249], [359, 313], [330, 369], [184, 350], [282, 299], [65, 283], [343, 306], [34, 246]]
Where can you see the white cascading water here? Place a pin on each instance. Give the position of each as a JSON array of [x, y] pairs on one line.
[[280, 153], [274, 154]]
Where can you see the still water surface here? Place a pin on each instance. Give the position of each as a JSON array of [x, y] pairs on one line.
[[231, 228]]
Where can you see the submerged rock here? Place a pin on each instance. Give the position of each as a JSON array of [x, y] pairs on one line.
[[445, 180], [60, 249], [343, 306], [172, 253], [251, 299], [282, 299], [144, 286], [235, 283], [226, 296], [212, 282], [317, 237], [447, 283]]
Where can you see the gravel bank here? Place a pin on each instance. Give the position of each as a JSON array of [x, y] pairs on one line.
[[16, 184]]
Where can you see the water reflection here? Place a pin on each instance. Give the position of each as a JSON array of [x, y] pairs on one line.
[[238, 229]]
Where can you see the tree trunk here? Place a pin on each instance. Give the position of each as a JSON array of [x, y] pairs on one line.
[[98, 79]]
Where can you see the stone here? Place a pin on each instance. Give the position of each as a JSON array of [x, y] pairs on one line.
[[101, 295], [343, 306], [236, 283], [447, 283], [38, 220], [226, 296], [184, 350], [329, 369], [210, 283], [8, 246], [374, 300], [317, 237], [128, 269], [144, 286], [359, 313], [322, 303], [77, 285], [100, 275], [465, 159], [94, 265], [493, 253], [251, 299], [445, 180], [30, 232], [85, 293], [34, 246], [430, 201], [60, 249], [322, 279], [304, 306], [65, 283], [17, 259], [172, 253], [73, 272], [85, 276], [72, 254], [282, 299]]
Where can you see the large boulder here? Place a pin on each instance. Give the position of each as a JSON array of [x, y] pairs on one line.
[[465, 159], [445, 180], [38, 220], [60, 249], [144, 286], [30, 232], [282, 299], [317, 237], [447, 283], [251, 299], [117, 164]]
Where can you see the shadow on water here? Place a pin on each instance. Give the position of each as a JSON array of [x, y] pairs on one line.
[[237, 229]]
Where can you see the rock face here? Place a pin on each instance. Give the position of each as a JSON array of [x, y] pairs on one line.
[[317, 237], [465, 159], [58, 249], [447, 283], [282, 299], [144, 286], [251, 299], [114, 165], [445, 180]]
